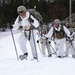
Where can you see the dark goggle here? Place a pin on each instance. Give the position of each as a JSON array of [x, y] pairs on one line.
[[20, 12]]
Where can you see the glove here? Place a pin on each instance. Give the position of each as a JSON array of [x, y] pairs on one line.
[[46, 38], [37, 41], [49, 42], [20, 27], [11, 27], [70, 39]]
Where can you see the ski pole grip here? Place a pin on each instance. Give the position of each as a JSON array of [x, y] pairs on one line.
[[49, 42]]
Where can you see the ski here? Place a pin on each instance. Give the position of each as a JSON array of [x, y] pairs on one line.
[[34, 59]]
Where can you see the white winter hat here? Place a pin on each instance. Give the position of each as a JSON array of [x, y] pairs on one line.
[[56, 20], [21, 8]]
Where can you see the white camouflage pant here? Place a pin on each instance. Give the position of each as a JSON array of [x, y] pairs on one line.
[[60, 46], [23, 41]]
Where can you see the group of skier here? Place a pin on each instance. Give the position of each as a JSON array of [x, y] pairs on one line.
[[57, 34]]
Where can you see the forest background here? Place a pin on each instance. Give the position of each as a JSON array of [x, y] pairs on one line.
[[49, 9]]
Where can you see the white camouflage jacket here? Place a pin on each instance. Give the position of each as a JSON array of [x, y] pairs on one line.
[[25, 22], [50, 33]]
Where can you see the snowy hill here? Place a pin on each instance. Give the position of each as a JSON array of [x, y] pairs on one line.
[[9, 65]]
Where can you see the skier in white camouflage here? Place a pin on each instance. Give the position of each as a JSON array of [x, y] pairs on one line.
[[70, 46], [58, 33], [44, 42], [28, 31]]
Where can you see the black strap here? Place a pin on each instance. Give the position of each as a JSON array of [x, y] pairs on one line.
[[27, 35], [19, 19]]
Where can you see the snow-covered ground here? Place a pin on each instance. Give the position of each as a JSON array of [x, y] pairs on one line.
[[9, 65]]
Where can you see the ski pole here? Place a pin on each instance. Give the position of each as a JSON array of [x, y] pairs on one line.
[[39, 46], [52, 48], [34, 44], [14, 44]]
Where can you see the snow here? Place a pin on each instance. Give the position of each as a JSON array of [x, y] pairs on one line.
[[9, 65]]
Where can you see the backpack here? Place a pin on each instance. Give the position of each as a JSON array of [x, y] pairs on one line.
[[36, 15]]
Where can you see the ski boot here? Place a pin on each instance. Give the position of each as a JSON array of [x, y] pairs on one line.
[[24, 56], [73, 56], [50, 55]]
